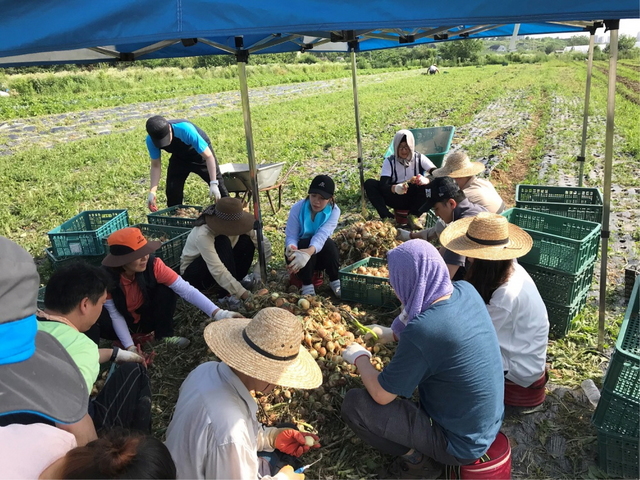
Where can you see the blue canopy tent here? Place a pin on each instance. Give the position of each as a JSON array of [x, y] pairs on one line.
[[76, 31]]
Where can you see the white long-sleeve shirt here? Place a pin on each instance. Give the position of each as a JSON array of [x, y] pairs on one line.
[[214, 433], [293, 230], [520, 318], [201, 242]]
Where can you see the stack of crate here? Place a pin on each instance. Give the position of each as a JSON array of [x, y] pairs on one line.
[[82, 238], [561, 262], [617, 416]]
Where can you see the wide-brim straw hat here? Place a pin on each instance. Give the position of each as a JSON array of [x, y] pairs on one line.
[[227, 217], [487, 236], [458, 165], [267, 348]]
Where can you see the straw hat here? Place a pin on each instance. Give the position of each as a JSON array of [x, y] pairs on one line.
[[487, 236], [458, 165], [227, 217], [268, 348], [126, 245]]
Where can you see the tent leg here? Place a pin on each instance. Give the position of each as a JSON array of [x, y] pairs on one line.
[[613, 26], [248, 131], [585, 118], [356, 107]]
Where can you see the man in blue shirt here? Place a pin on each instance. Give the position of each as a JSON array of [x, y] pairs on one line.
[[449, 352], [191, 152]]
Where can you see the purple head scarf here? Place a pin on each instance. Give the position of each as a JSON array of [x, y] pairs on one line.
[[419, 276]]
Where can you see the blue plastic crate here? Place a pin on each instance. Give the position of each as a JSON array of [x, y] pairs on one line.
[[83, 234]]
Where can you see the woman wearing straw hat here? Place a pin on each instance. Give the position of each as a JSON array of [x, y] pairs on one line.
[[220, 249], [448, 350], [478, 190], [308, 242], [214, 432], [517, 310], [145, 291], [393, 190]]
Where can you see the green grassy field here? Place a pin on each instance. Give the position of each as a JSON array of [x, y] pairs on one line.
[[45, 183]]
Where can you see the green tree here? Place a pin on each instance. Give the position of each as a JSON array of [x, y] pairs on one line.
[[461, 49], [578, 40], [625, 43]]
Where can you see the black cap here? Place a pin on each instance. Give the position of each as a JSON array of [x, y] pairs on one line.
[[440, 189], [159, 130], [323, 185]]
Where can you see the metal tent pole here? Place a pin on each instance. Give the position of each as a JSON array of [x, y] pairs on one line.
[[613, 26], [242, 56], [585, 118], [356, 108]]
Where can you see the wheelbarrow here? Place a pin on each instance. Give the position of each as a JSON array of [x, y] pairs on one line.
[[237, 179]]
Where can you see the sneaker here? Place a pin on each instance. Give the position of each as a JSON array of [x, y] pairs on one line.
[[177, 342], [335, 288], [400, 468]]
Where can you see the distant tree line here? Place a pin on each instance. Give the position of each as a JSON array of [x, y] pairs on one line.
[[450, 53]]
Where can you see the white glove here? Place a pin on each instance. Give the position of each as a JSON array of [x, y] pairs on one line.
[[422, 180], [151, 202], [124, 356], [300, 259], [257, 276], [353, 352], [385, 334], [214, 191], [220, 314], [400, 189], [403, 235], [289, 250]]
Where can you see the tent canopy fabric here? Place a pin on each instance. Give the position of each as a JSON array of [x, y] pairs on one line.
[[76, 31]]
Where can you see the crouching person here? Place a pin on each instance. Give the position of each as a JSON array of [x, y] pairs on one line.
[[450, 353], [73, 302], [144, 293], [214, 432]]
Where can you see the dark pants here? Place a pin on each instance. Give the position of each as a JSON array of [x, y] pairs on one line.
[[124, 401], [158, 318], [327, 259], [177, 173], [397, 427], [381, 198], [237, 260]]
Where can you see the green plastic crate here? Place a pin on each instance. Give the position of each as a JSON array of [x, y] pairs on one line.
[[83, 234], [433, 142], [367, 288], [58, 262], [166, 217], [40, 301], [616, 414], [618, 455], [561, 316], [566, 244], [171, 249], [560, 287], [575, 202], [431, 219]]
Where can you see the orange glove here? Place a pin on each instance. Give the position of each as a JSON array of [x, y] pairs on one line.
[[292, 442]]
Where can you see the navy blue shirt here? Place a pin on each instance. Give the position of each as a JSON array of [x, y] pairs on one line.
[[450, 352]]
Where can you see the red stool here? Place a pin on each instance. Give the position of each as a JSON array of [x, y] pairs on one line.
[[401, 216], [531, 396], [316, 280], [494, 465]]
